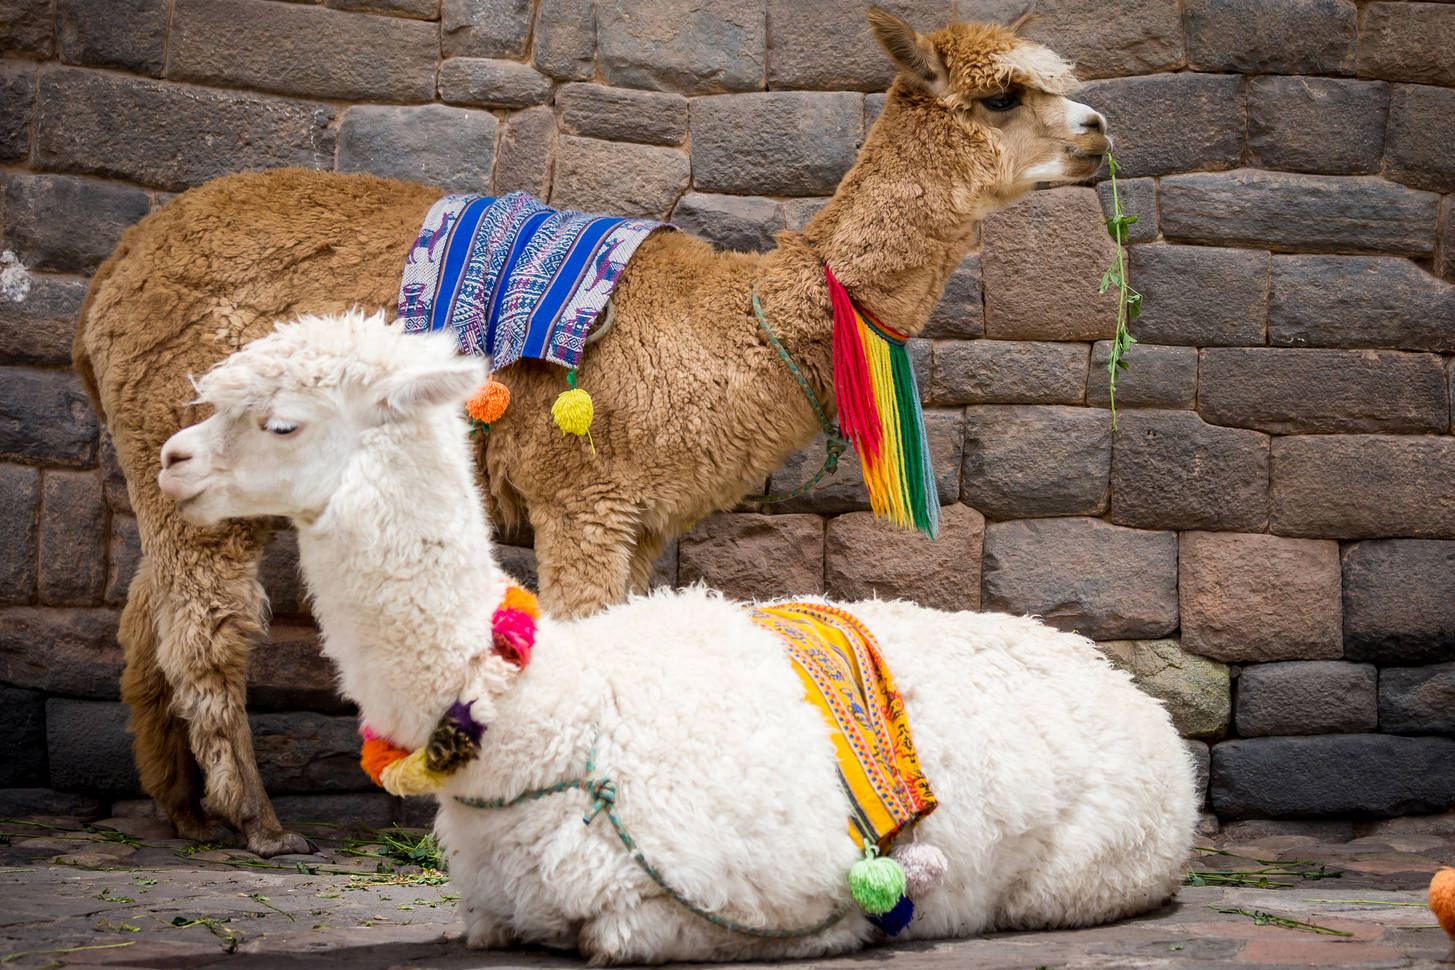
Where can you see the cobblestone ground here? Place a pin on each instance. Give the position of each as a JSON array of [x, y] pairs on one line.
[[124, 893]]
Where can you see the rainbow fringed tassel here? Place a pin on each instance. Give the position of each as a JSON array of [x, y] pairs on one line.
[[879, 411]]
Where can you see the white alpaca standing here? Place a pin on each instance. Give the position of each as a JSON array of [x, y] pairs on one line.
[[1065, 794]]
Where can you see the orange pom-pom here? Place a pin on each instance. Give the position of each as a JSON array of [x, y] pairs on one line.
[[1442, 899], [379, 754], [524, 600], [489, 402]]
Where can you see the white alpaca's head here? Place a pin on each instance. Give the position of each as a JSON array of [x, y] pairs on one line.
[[296, 408]]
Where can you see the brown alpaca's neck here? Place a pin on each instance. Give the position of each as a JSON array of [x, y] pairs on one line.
[[908, 211]]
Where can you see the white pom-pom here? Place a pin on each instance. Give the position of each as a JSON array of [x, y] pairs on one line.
[[923, 865]]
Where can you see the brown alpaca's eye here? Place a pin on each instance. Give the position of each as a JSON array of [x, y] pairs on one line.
[[1001, 102]]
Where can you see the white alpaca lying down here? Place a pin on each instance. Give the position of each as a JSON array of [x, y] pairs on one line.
[[1065, 795]]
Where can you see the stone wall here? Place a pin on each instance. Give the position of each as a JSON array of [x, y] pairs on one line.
[[1266, 537]]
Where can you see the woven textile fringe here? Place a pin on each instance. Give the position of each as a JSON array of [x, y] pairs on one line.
[[879, 411]]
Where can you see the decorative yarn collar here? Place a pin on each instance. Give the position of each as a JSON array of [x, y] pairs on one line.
[[879, 411], [455, 740]]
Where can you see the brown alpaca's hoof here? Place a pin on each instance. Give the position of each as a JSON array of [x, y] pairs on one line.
[[268, 844]]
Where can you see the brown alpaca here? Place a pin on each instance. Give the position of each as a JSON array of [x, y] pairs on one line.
[[693, 408]]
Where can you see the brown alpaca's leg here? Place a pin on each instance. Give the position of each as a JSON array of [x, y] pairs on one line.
[[644, 561], [160, 745], [583, 553], [212, 610]]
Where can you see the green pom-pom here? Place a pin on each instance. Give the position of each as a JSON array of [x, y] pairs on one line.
[[876, 882]]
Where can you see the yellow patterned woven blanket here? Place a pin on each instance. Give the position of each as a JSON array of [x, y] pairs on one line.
[[845, 677]]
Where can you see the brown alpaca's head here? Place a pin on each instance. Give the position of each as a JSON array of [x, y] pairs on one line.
[[999, 103]]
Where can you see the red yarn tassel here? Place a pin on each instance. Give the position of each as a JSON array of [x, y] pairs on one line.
[[853, 392]]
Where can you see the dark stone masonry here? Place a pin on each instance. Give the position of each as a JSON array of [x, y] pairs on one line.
[[1265, 537]]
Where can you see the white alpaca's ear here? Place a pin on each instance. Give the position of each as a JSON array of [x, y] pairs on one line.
[[910, 50], [415, 388]]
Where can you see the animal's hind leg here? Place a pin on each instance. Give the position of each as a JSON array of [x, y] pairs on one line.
[[584, 552], [208, 610], [644, 561]]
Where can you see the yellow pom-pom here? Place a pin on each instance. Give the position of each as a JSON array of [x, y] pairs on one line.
[[489, 402], [411, 776], [573, 411]]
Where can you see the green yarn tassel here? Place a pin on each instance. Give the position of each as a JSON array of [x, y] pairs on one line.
[[876, 882]]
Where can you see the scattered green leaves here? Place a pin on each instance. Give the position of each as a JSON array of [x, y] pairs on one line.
[[229, 938], [105, 894], [1262, 918], [262, 900], [1129, 301], [1266, 877], [64, 949]]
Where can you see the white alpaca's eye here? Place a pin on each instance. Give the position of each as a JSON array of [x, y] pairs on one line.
[[278, 427]]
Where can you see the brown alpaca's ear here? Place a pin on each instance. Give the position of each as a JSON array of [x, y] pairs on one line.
[[911, 51]]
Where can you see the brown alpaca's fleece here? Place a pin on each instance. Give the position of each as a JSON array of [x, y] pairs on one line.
[[693, 407]]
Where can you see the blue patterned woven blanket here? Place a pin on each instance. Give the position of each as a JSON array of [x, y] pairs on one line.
[[514, 278]]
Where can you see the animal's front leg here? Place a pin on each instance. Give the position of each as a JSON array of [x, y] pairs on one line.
[[584, 552]]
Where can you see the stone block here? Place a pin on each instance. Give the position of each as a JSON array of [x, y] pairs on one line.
[[128, 34], [105, 124], [563, 44], [1025, 461], [1197, 692], [296, 675], [19, 532], [827, 44], [799, 212], [39, 328], [1417, 700], [527, 149], [353, 812], [57, 222], [622, 114], [123, 555], [1172, 470], [1201, 755], [873, 108], [868, 558], [1332, 775], [300, 49], [519, 562], [61, 651], [774, 142], [752, 556], [1156, 376], [1363, 486], [1041, 260], [1066, 570], [1408, 42], [73, 539], [743, 223], [1257, 597], [1291, 391], [1307, 697], [17, 99], [18, 802], [621, 179], [1444, 262], [418, 9], [1290, 120], [114, 482], [1315, 213], [845, 491], [45, 418], [960, 310], [1102, 40], [1421, 131], [484, 28], [1008, 372], [1272, 36], [22, 725], [1139, 201], [1359, 301], [88, 747], [1166, 123], [711, 46], [279, 573], [452, 148], [304, 753], [492, 83], [1399, 601], [26, 27], [1200, 295]]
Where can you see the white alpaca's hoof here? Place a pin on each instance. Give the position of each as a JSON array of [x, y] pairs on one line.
[[489, 936]]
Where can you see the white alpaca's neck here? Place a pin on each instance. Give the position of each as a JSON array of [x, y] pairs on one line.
[[402, 575]]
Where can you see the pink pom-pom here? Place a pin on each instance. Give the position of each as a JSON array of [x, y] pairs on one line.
[[514, 633], [923, 865]]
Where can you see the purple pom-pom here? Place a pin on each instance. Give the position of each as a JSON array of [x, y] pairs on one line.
[[459, 712], [894, 921]]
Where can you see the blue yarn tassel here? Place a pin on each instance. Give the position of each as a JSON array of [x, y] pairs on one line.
[[894, 921]]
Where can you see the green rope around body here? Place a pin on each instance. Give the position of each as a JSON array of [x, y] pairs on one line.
[[603, 794], [835, 440]]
